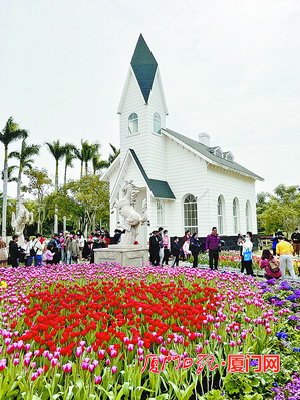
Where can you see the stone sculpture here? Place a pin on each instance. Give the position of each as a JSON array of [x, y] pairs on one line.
[[18, 223], [132, 219]]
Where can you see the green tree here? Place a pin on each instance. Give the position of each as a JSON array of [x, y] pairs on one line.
[[58, 151], [39, 183], [24, 156], [93, 197], [98, 164], [261, 204], [10, 133], [281, 210], [67, 207]]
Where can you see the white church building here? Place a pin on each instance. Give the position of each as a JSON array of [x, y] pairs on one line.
[[187, 183]]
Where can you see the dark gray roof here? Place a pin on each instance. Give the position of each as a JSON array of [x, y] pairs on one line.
[[144, 66], [205, 151], [158, 188]]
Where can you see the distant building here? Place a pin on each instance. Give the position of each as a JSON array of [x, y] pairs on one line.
[[188, 184]]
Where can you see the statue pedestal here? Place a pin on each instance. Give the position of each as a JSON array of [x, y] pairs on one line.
[[125, 255]]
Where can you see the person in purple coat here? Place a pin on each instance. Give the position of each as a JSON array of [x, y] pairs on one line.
[[212, 246]]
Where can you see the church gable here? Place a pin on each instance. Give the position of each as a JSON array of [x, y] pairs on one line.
[[131, 98]]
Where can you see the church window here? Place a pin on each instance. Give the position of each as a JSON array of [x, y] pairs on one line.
[[160, 213], [133, 124], [248, 216], [190, 214], [235, 211], [156, 123], [221, 214]]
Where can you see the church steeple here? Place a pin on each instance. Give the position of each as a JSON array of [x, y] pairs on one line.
[[144, 67]]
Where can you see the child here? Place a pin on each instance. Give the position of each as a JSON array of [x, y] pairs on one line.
[[186, 249], [48, 255]]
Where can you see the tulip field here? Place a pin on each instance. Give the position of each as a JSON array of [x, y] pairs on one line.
[[111, 332]]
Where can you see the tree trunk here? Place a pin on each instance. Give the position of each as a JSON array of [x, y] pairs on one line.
[[86, 168], [19, 189], [65, 174], [94, 223], [56, 175], [4, 205], [81, 169]]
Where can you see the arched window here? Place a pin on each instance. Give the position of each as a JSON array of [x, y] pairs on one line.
[[235, 212], [133, 124], [190, 213], [221, 214], [160, 213], [156, 123], [248, 216]]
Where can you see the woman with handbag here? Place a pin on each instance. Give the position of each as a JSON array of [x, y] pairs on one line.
[[270, 265]]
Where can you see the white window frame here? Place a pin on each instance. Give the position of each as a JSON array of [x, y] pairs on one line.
[[248, 216], [160, 212], [221, 219], [235, 214], [190, 213], [133, 124]]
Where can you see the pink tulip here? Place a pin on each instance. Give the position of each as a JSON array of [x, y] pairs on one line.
[[98, 380], [130, 347], [114, 369], [67, 368], [91, 367], [78, 351], [2, 364], [54, 362]]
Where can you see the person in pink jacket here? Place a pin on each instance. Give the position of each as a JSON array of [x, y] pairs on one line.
[[266, 258]]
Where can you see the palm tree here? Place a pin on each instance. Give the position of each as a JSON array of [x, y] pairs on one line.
[[88, 152], [98, 164], [58, 151], [79, 155], [25, 161], [69, 157], [10, 133], [112, 156]]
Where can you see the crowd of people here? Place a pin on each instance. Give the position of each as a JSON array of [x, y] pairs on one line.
[[161, 248], [73, 247], [65, 247]]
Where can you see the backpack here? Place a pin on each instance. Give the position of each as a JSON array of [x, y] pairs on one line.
[[274, 265], [32, 252]]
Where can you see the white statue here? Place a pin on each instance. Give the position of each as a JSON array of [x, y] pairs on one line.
[[18, 223], [132, 219]]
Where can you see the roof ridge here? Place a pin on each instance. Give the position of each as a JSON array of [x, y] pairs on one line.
[[204, 150]]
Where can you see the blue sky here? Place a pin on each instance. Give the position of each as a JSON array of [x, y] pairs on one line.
[[229, 68]]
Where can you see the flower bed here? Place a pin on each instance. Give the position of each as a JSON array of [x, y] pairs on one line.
[[87, 332]]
